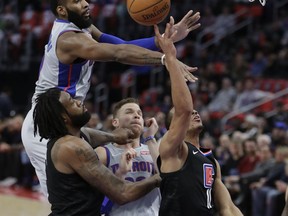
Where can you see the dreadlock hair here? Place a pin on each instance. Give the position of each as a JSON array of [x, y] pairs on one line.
[[53, 6], [119, 104], [47, 115]]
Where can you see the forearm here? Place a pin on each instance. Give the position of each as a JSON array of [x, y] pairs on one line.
[[154, 151], [134, 55], [97, 137], [181, 96], [231, 211], [122, 193], [148, 43], [123, 53], [119, 174], [222, 198], [133, 191]]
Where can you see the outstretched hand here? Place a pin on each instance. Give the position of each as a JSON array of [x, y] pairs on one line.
[[166, 41], [187, 24], [187, 71], [169, 48]]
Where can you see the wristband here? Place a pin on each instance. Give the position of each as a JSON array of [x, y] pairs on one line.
[[163, 59], [148, 138]]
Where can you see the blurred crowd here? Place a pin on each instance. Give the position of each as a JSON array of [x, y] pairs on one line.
[[236, 71]]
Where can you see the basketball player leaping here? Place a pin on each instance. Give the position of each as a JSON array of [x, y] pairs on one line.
[[69, 57], [191, 177]]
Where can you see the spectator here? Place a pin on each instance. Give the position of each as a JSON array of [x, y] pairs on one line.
[[249, 95], [223, 100], [267, 193], [278, 134], [6, 104]]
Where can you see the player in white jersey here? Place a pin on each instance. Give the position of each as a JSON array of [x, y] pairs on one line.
[[127, 114], [68, 61]]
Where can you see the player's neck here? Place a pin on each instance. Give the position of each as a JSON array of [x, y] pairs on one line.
[[194, 140], [74, 131]]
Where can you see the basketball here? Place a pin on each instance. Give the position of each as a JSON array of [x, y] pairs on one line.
[[148, 12]]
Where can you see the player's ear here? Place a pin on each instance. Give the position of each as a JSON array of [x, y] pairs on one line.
[[66, 118], [61, 11], [115, 122]]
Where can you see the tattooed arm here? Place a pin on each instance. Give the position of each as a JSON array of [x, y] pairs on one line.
[[97, 138], [74, 155]]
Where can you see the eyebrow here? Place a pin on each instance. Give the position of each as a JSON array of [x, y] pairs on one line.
[[130, 109]]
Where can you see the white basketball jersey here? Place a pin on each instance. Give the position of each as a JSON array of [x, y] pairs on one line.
[[72, 78], [142, 168]]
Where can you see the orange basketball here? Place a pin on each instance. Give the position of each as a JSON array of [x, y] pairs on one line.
[[148, 12]]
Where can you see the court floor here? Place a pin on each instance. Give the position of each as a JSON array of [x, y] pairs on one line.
[[22, 202]]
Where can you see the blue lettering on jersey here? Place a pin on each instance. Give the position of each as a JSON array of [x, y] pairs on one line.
[[142, 166], [114, 167], [139, 178]]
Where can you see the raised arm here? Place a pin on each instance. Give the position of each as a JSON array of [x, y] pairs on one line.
[[78, 156], [187, 24], [150, 141], [222, 198], [148, 43], [181, 98], [73, 45]]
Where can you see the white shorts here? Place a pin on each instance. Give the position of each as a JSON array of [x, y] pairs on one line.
[[35, 149]]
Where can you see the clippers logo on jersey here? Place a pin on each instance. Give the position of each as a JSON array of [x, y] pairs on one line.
[[208, 173]]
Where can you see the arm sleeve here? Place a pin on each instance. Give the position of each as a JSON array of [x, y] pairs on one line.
[[148, 43]]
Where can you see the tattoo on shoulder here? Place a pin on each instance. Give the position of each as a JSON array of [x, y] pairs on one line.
[[87, 155]]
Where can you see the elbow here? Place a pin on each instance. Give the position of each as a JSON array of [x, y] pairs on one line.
[[122, 202], [122, 199], [123, 196], [185, 107], [186, 113]]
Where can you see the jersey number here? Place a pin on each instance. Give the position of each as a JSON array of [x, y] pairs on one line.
[[140, 178]]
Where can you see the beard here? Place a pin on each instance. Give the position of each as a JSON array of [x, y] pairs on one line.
[[78, 20], [136, 133], [80, 120]]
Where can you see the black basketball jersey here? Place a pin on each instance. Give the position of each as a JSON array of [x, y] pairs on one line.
[[188, 191], [69, 194]]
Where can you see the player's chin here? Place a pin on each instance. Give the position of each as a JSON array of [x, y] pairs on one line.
[[136, 132], [200, 127]]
